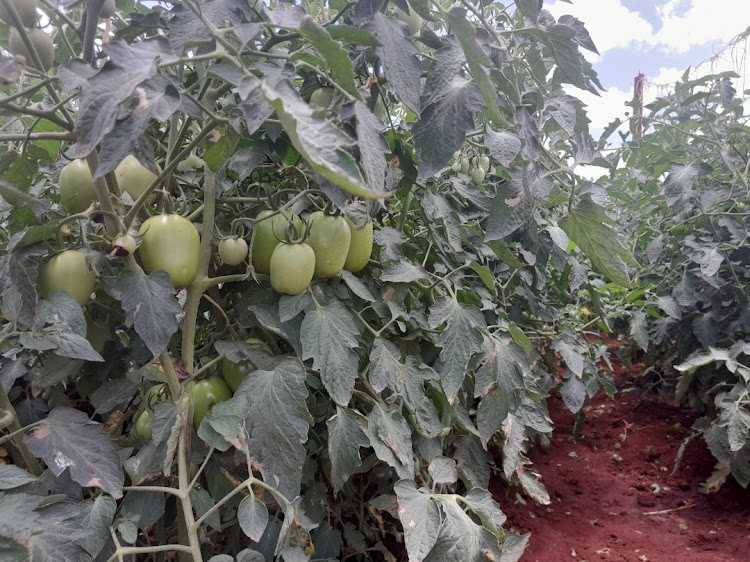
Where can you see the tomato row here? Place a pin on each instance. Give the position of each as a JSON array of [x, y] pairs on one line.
[[205, 393]]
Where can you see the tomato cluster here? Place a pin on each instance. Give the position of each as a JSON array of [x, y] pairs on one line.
[[333, 243]]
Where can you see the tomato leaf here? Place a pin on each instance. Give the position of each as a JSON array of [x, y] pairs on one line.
[[399, 56], [336, 57], [420, 517], [328, 335], [345, 437], [444, 123], [323, 145], [253, 517], [150, 306], [68, 440], [267, 417], [406, 380], [390, 437], [459, 340], [590, 228]]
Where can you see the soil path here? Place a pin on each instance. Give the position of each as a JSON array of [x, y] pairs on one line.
[[603, 485]]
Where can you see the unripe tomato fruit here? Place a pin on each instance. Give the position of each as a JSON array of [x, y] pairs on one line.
[[143, 425], [206, 393], [477, 176], [412, 19], [192, 162], [157, 393], [234, 373], [322, 98], [740, 205], [456, 167], [484, 162], [42, 45], [330, 239], [360, 247], [268, 234], [457, 155], [125, 245], [292, 268], [465, 165], [26, 10], [108, 9], [77, 189], [170, 243], [233, 251], [68, 272], [133, 177]]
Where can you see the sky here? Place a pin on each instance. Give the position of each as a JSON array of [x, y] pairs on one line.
[[660, 38]]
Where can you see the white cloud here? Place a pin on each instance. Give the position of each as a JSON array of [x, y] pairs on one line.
[[703, 22], [610, 24]]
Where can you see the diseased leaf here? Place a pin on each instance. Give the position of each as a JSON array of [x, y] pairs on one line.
[[372, 146], [420, 517], [511, 209], [390, 437], [67, 439]]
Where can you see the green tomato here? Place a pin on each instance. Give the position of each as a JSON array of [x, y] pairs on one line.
[[143, 425], [330, 239], [484, 163], [68, 272], [192, 162], [42, 45], [234, 373], [108, 9], [26, 10], [322, 98], [412, 19], [133, 177], [292, 268], [477, 176], [155, 394], [456, 167], [360, 248], [206, 393], [457, 155], [77, 189], [740, 205], [170, 243], [233, 251], [268, 234], [465, 165]]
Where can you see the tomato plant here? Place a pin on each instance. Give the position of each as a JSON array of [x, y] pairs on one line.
[[386, 401], [170, 243]]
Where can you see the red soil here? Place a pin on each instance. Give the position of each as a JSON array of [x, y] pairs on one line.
[[603, 485]]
